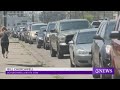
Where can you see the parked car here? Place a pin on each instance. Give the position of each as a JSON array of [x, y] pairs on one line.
[[19, 32], [80, 47], [14, 33], [40, 36], [63, 33], [50, 26], [33, 30], [115, 50], [101, 46], [95, 24], [26, 34], [22, 33]]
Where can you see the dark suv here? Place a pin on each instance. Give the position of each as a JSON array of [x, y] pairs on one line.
[[50, 26], [63, 33], [101, 46]]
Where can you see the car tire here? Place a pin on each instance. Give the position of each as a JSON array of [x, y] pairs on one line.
[[30, 41], [46, 47], [59, 54], [38, 46], [52, 52], [26, 41]]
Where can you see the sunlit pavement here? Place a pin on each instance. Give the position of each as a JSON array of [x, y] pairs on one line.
[[24, 55]]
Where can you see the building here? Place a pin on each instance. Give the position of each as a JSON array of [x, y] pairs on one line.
[[18, 13], [1, 17]]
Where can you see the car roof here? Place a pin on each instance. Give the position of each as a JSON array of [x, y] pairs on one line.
[[69, 20], [88, 30], [39, 24], [112, 20], [96, 21], [51, 22]]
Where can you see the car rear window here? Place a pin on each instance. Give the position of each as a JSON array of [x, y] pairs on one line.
[[85, 37], [51, 27], [37, 27]]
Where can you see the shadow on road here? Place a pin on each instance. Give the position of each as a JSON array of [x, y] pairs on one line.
[[26, 65], [66, 57]]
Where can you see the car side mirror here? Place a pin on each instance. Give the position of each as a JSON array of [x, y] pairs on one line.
[[44, 30], [98, 37], [71, 42], [115, 35], [36, 33], [53, 31]]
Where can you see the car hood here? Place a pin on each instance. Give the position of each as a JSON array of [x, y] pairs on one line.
[[35, 31], [86, 47], [69, 32]]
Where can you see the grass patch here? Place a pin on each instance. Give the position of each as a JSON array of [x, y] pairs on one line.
[[58, 77]]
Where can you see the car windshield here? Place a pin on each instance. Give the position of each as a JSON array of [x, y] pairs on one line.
[[42, 29], [37, 27], [74, 25], [85, 37], [109, 28], [51, 27]]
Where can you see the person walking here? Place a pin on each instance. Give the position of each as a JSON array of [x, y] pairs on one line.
[[4, 41]]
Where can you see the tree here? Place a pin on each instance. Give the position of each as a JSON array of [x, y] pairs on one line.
[[50, 16]]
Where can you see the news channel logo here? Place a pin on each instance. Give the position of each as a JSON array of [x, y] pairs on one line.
[[103, 71]]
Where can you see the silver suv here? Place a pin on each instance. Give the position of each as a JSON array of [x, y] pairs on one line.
[[63, 33]]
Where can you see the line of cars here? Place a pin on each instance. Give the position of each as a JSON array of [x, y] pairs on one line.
[[96, 44]]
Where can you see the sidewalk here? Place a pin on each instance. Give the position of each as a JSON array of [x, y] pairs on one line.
[[18, 57]]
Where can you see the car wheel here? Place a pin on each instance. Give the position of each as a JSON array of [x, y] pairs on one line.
[[52, 52], [26, 41], [59, 54], [30, 41], [46, 47], [38, 46]]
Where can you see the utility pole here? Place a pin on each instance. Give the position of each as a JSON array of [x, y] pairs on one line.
[[5, 18], [118, 13], [32, 16], [70, 14], [83, 14], [104, 15], [44, 16]]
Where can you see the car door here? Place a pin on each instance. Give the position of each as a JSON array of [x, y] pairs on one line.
[[53, 37], [98, 44], [72, 46]]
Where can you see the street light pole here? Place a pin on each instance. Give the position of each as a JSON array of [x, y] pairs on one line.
[[5, 18], [32, 16], [44, 16], [118, 13]]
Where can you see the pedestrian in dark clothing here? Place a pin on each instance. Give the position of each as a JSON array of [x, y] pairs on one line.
[[5, 42]]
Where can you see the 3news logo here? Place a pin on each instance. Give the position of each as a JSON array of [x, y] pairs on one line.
[[103, 70]]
